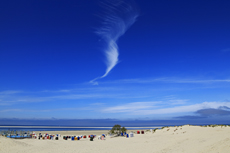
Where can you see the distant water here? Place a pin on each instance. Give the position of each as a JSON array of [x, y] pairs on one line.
[[37, 128]]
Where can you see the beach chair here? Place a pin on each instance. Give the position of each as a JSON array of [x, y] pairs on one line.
[[91, 137], [131, 134]]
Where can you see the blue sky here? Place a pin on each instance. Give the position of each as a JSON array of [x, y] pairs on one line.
[[145, 60]]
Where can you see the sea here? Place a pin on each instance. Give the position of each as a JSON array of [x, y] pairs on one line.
[[63, 128]]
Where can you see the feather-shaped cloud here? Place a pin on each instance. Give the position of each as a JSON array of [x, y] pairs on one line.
[[118, 17]]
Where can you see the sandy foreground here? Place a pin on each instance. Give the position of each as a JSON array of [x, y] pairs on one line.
[[185, 139]]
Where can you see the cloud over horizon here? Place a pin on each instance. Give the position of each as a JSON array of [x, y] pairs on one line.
[[150, 108]]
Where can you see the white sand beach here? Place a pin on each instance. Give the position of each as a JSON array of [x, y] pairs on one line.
[[185, 139]]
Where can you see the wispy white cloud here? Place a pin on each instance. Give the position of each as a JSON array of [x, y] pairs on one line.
[[11, 110], [151, 108], [34, 98], [3, 102], [118, 18], [10, 97], [47, 110], [97, 104], [58, 91], [17, 100], [78, 96], [178, 101], [10, 92], [201, 81], [188, 108], [169, 80], [130, 107]]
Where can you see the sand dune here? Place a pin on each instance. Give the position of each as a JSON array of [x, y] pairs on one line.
[[187, 139]]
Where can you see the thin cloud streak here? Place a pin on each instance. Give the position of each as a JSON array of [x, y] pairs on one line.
[[130, 107], [57, 91], [79, 96], [10, 92], [7, 100], [118, 18], [83, 88], [12, 110], [167, 80], [48, 110]]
